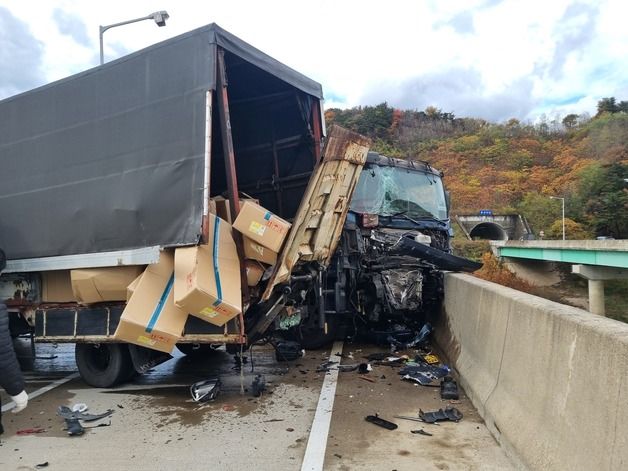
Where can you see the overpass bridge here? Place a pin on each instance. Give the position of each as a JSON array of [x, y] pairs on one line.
[[594, 260]]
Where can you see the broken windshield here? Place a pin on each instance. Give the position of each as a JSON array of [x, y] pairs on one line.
[[391, 191]]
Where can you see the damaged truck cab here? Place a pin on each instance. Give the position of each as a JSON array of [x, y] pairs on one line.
[[385, 277]]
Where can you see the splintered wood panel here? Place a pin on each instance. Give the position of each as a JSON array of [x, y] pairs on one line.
[[321, 216]]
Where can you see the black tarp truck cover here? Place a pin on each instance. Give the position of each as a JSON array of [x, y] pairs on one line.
[[114, 158]]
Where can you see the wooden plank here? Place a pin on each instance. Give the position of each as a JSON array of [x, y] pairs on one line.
[[319, 221]]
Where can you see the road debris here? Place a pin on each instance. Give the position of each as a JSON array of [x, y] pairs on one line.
[[420, 338], [207, 390], [377, 420], [423, 374], [30, 431], [364, 368], [258, 386], [430, 359], [422, 432], [73, 419], [449, 413], [405, 417], [449, 389]]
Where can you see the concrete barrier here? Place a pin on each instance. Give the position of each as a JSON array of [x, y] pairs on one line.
[[549, 380]]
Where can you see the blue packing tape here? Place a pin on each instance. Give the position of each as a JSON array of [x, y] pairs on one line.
[[160, 305], [215, 256]]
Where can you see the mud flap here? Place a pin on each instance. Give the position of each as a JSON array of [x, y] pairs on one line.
[[144, 358]]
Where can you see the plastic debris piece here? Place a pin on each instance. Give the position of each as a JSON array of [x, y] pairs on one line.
[[377, 420], [258, 386], [41, 465], [72, 419], [380, 356], [449, 388], [431, 359], [206, 390], [80, 407], [450, 413], [422, 432], [424, 374], [420, 338]]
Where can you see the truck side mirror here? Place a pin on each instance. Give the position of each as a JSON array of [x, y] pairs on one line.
[[448, 200]]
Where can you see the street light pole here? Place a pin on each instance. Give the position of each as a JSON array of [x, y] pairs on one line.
[[159, 17], [563, 203]]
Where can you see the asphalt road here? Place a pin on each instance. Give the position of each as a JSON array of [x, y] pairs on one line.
[[157, 426]]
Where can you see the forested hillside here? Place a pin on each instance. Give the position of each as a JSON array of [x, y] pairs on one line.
[[516, 167]]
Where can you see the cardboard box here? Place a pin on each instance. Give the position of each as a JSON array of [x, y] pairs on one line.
[[207, 277], [132, 287], [223, 210], [255, 251], [262, 226], [220, 206], [56, 287], [97, 285], [151, 319], [254, 272]]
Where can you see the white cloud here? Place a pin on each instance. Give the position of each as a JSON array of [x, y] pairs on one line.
[[523, 58]]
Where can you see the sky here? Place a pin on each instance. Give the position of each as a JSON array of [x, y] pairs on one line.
[[490, 59]]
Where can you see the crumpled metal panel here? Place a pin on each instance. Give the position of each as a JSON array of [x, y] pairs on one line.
[[403, 288], [320, 219]]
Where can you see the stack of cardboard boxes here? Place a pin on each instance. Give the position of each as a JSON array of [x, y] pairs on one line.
[[202, 281]]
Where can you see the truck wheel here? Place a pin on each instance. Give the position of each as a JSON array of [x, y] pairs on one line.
[[103, 365], [313, 338]]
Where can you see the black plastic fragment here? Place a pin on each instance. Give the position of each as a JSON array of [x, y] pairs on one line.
[[450, 413], [258, 386], [449, 388], [377, 420], [422, 432], [408, 246], [72, 419]]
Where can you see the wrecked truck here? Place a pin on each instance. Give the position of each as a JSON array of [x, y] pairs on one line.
[[108, 174]]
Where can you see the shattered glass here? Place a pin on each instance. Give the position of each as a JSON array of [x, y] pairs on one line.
[[389, 191]]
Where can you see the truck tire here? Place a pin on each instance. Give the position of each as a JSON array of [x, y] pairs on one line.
[[104, 365], [313, 338]]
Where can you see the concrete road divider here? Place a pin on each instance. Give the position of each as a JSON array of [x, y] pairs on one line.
[[549, 380]]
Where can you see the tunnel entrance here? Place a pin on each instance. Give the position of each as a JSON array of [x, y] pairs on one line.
[[488, 231]]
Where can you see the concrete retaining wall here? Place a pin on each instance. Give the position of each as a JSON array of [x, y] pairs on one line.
[[549, 380]]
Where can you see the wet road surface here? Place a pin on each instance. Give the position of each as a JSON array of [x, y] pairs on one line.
[[157, 426]]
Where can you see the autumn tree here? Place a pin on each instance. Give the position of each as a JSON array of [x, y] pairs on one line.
[[573, 230], [607, 105], [570, 121]]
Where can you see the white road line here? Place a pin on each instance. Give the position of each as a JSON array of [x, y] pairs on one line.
[[317, 442], [45, 389]]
